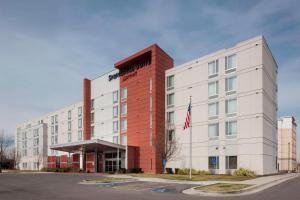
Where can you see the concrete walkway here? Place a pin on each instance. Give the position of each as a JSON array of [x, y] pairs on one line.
[[258, 184]]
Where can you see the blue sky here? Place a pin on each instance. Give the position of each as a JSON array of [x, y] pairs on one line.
[[48, 47]]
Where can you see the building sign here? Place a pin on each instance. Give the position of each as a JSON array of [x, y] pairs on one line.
[[132, 68]]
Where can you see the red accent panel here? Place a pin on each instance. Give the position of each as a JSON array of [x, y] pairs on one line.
[[76, 161], [63, 161], [86, 109], [137, 83], [90, 162], [132, 157], [51, 162]]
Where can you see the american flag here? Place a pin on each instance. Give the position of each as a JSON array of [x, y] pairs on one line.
[[188, 118]]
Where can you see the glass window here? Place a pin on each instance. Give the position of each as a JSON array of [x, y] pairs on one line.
[[80, 123], [69, 114], [213, 109], [69, 137], [231, 162], [52, 139], [213, 162], [115, 126], [92, 118], [52, 119], [230, 62], [115, 111], [80, 135], [92, 131], [79, 111], [92, 104], [56, 119], [170, 117], [124, 139], [56, 128], [115, 139], [213, 68], [115, 96], [56, 139], [150, 102], [213, 130], [230, 84], [213, 89], [150, 120], [231, 105], [124, 93], [124, 108], [171, 135], [36, 142], [170, 99], [124, 125], [170, 82], [150, 85], [69, 125], [231, 128]]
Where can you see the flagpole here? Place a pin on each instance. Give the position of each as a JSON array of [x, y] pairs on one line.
[[191, 138]]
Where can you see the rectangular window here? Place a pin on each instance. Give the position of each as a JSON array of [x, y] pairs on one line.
[[69, 136], [124, 108], [124, 125], [69, 125], [170, 82], [80, 135], [56, 129], [52, 119], [80, 123], [230, 63], [171, 135], [35, 151], [231, 106], [92, 131], [124, 139], [115, 126], [115, 112], [213, 89], [79, 111], [230, 84], [92, 118], [231, 129], [150, 102], [52, 140], [115, 139], [115, 96], [35, 132], [56, 139], [213, 162], [213, 131], [150, 120], [69, 114], [36, 142], [170, 117], [213, 68], [231, 162], [56, 119], [170, 99], [124, 93], [92, 104], [213, 110], [150, 85]]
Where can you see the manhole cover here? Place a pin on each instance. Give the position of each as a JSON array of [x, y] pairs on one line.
[[163, 190]]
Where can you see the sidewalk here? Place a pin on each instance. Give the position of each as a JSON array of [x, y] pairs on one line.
[[258, 184]]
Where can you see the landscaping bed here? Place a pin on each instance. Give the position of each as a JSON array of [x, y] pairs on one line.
[[223, 187]]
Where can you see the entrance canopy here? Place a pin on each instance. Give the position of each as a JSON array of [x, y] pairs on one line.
[[87, 146]]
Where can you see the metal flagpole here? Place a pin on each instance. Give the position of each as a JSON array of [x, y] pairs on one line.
[[191, 137]]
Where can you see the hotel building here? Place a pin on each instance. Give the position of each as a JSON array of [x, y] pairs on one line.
[[130, 115], [287, 138]]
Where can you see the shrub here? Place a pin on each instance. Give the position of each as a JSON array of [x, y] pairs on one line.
[[244, 172], [136, 170], [186, 171]]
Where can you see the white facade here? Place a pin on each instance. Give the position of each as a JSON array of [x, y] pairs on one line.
[[234, 109]]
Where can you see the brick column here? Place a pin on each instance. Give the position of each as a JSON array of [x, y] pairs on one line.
[[86, 109]]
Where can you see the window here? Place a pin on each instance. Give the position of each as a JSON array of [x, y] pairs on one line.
[[170, 99], [231, 128], [213, 162], [150, 102], [69, 136], [124, 125], [213, 131], [52, 119], [69, 114], [52, 140], [170, 82], [56, 119], [56, 139], [115, 96], [231, 106], [230, 84], [124, 93], [231, 162], [115, 126], [92, 117], [230, 63], [56, 128], [170, 117], [171, 135], [80, 123], [124, 108], [35, 141], [80, 135], [69, 125], [124, 139], [35, 132], [150, 120], [115, 139], [213, 68], [92, 104], [79, 111], [213, 89], [35, 151], [213, 110], [115, 111], [92, 131]]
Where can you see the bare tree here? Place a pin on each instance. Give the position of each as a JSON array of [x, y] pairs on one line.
[[39, 160], [3, 148], [15, 156]]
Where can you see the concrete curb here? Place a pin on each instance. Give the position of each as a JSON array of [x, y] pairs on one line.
[[247, 191]]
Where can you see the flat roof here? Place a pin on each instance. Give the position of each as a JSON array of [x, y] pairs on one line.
[[88, 145]]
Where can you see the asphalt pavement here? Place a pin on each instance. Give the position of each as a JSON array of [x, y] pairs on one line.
[[65, 186]]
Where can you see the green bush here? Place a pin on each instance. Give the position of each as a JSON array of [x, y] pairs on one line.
[[186, 171], [244, 172], [45, 169]]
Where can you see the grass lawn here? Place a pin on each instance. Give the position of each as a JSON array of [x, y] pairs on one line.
[[194, 177], [106, 180], [222, 187]]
